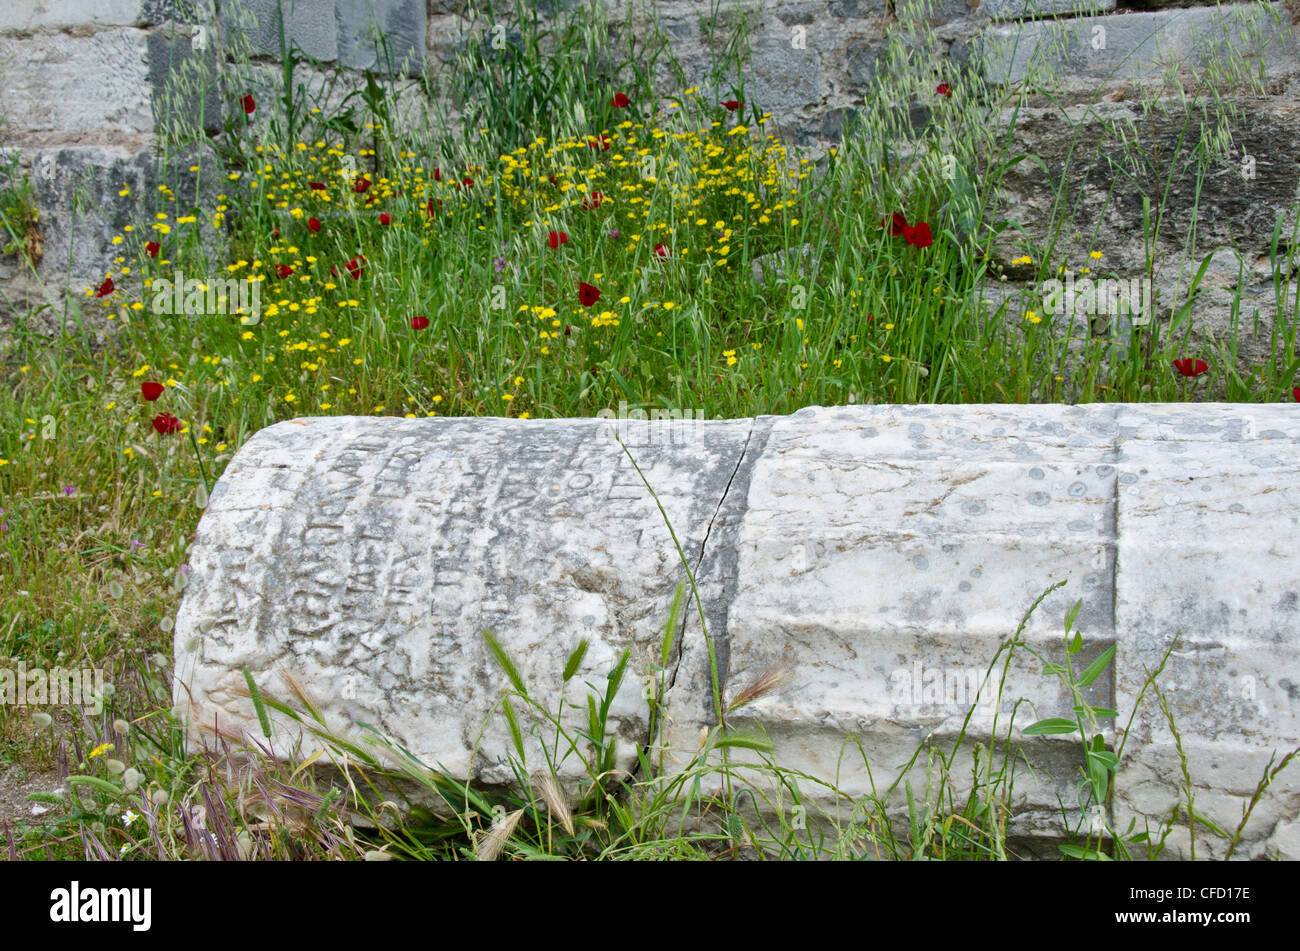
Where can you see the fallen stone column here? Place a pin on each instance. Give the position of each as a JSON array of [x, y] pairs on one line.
[[858, 569]]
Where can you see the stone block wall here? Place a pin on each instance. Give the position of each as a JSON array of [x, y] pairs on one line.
[[84, 87]]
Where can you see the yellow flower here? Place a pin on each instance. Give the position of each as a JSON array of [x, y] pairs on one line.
[[1095, 255], [100, 749]]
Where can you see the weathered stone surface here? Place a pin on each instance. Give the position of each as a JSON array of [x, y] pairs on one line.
[[371, 573], [403, 25], [76, 190], [308, 24], [178, 72], [65, 83], [783, 77], [1035, 9], [28, 15], [1138, 47], [1203, 531], [17, 15], [878, 556]]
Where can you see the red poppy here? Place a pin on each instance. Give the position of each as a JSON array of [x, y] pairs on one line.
[[1296, 394], [944, 89], [918, 236], [567, 330], [871, 318], [106, 288], [621, 101], [1189, 367], [896, 224], [317, 186], [602, 143], [248, 104], [359, 185], [594, 201], [283, 270], [151, 390], [275, 232], [556, 238], [151, 248], [428, 209], [385, 218], [313, 225], [166, 424], [587, 294], [419, 323], [437, 174], [356, 267], [662, 251], [733, 104], [467, 182]]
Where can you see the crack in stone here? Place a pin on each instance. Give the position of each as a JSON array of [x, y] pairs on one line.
[[680, 638], [716, 615], [715, 618]]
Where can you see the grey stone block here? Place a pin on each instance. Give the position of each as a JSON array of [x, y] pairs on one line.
[[184, 81], [67, 84], [1137, 47], [836, 122], [176, 11], [25, 15], [309, 25], [798, 13], [1037, 9], [858, 9], [861, 54], [784, 78], [76, 191], [403, 25]]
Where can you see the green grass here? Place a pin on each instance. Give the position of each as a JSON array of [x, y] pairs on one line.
[[98, 507]]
